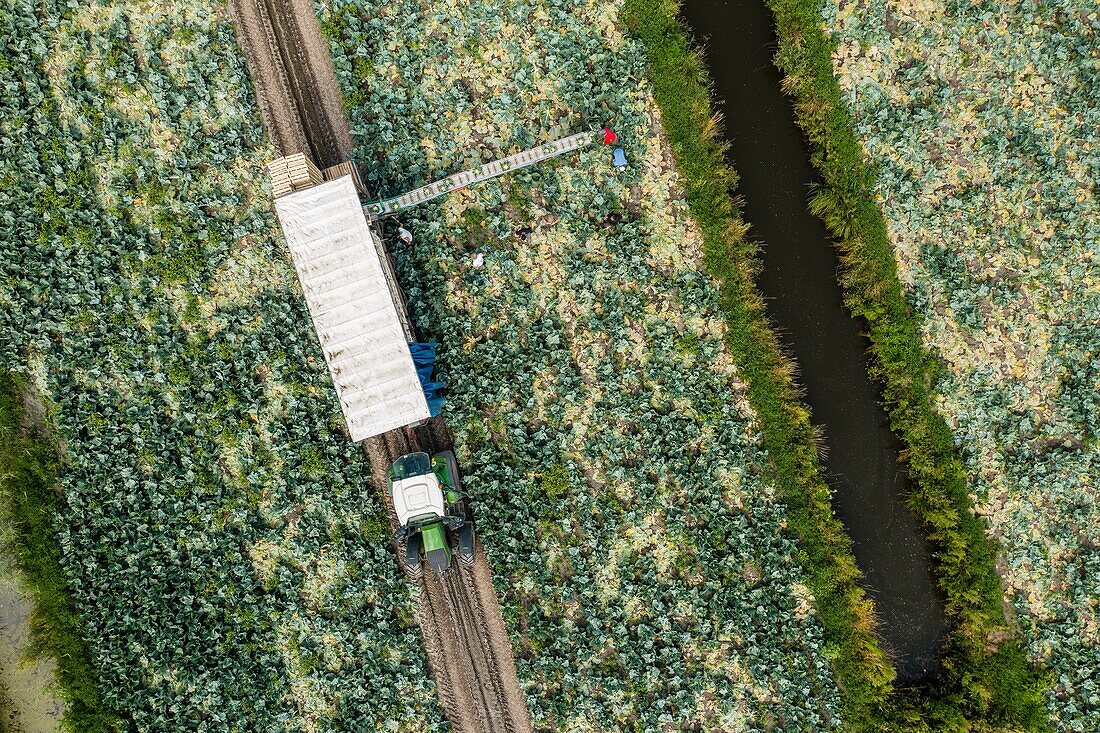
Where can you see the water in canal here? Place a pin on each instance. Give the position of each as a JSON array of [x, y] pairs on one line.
[[799, 283]]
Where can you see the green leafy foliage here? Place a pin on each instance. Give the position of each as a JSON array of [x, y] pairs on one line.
[[680, 84], [951, 105], [986, 169], [626, 502], [221, 552], [28, 502]]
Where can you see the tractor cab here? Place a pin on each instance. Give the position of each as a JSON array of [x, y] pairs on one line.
[[429, 503]]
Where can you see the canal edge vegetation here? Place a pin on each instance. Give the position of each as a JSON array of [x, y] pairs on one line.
[[987, 679], [681, 88], [29, 502]]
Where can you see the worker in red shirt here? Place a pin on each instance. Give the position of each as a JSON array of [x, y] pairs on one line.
[[609, 136]]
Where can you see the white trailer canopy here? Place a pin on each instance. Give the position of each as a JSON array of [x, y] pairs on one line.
[[352, 307]]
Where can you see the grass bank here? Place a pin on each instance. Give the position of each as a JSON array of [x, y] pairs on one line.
[[681, 88], [29, 502], [987, 681]]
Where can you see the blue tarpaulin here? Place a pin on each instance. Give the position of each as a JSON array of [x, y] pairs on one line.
[[424, 360]]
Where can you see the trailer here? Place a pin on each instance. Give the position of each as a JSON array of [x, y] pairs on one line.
[[382, 376], [353, 301]]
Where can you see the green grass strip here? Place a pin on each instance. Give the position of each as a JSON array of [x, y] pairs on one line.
[[987, 682], [681, 87], [29, 502]]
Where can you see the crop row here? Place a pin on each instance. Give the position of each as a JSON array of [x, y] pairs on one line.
[[218, 540], [641, 554]]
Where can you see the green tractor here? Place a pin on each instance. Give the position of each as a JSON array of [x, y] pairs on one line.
[[427, 497]]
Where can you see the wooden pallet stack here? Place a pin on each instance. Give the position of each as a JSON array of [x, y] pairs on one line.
[[292, 173], [347, 168]]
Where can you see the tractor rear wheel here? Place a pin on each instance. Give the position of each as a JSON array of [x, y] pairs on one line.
[[466, 544], [412, 557]]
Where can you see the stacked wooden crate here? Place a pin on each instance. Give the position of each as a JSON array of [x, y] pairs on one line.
[[292, 173], [347, 168]]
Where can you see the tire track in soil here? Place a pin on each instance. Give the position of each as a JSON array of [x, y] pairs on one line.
[[269, 77], [469, 655], [295, 81], [440, 639], [478, 667], [459, 616]]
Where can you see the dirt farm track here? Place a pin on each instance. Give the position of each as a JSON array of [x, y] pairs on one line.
[[464, 635], [296, 87], [467, 645]]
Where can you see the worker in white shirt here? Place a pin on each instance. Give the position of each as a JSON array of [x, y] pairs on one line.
[[404, 234]]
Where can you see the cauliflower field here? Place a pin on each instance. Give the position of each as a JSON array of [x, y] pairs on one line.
[[228, 566], [641, 560], [984, 122]]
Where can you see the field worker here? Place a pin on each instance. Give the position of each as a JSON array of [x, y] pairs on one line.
[[620, 158], [479, 261], [609, 135], [404, 234]]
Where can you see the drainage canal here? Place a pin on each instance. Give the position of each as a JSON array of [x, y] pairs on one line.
[[798, 280]]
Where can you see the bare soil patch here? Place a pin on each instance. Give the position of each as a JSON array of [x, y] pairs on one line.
[[29, 702]]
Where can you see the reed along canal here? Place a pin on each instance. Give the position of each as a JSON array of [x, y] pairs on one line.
[[798, 280]]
